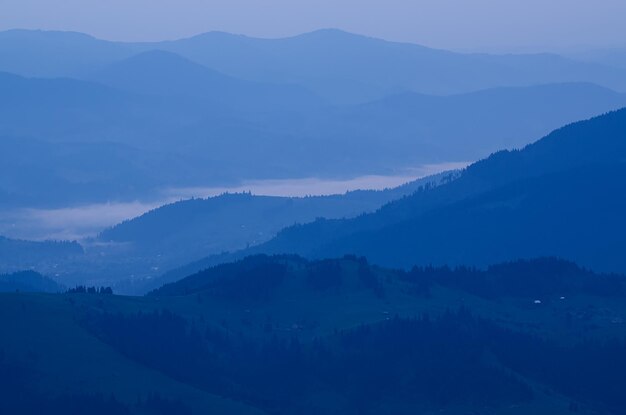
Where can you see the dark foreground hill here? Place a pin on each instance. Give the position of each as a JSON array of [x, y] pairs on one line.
[[282, 335], [561, 196]]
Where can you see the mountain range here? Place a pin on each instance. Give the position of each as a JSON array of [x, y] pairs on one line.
[[219, 109], [134, 145], [110, 121], [340, 66], [561, 196], [130, 254]]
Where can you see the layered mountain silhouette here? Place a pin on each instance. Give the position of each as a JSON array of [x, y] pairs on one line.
[[341, 66], [162, 121], [561, 196], [177, 233], [220, 108], [55, 54], [230, 221], [499, 117], [163, 73], [494, 289]]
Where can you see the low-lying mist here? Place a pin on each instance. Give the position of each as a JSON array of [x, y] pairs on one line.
[[77, 222]]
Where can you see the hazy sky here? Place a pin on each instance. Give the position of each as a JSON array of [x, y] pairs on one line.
[[454, 24]]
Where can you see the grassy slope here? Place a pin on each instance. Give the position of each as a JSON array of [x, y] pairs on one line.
[[49, 325], [70, 360], [293, 307]]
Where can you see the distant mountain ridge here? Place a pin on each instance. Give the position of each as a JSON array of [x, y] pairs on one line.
[[342, 66], [39, 53], [380, 65], [157, 72]]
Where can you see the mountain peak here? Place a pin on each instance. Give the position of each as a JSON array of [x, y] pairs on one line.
[[330, 32]]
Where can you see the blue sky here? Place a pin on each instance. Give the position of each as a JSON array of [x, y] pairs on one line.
[[491, 25]]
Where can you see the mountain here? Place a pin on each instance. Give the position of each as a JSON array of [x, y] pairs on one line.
[[340, 66], [245, 218], [468, 126], [37, 53], [135, 144], [71, 110], [512, 187], [285, 335], [348, 67], [130, 255], [72, 142], [35, 173], [561, 196], [17, 255], [176, 233], [574, 214], [28, 281], [532, 279], [157, 72]]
